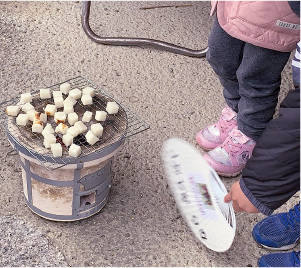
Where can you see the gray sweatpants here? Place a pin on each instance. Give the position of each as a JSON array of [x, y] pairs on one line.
[[250, 76]]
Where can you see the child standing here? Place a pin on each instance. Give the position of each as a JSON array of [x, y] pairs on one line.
[[249, 45]]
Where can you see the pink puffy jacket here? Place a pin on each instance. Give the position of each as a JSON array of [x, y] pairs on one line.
[[268, 24]]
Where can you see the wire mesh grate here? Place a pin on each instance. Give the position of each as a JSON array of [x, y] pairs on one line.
[[119, 126]]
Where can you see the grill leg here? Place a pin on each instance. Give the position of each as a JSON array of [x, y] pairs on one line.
[[126, 41]]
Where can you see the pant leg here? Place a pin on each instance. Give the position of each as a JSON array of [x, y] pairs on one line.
[[259, 77], [225, 55]]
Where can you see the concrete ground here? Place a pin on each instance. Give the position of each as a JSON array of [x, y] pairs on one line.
[[43, 43]]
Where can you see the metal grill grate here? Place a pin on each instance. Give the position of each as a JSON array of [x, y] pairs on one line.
[[116, 128]]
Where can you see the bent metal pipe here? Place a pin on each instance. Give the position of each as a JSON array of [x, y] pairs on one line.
[[127, 41]]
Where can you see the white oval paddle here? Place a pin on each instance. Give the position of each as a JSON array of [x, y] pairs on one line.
[[199, 194]]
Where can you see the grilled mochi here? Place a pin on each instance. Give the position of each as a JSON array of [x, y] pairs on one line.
[[72, 118], [87, 116], [74, 150], [65, 88], [26, 97], [100, 116], [48, 140], [22, 119], [56, 149], [97, 129], [45, 93], [61, 128], [13, 110], [50, 109], [91, 138], [81, 127], [60, 117], [67, 139]]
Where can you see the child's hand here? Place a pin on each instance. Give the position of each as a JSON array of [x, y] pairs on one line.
[[240, 202]]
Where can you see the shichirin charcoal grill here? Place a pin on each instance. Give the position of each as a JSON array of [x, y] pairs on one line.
[[67, 188]]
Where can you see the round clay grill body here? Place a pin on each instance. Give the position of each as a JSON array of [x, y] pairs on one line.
[[74, 188]]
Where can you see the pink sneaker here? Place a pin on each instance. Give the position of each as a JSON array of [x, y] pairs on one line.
[[230, 158], [214, 135]]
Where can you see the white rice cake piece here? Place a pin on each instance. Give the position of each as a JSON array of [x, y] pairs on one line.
[[81, 127], [45, 93], [68, 108], [71, 100], [59, 102], [91, 138], [48, 140], [100, 116], [26, 97], [73, 131], [60, 117], [13, 110], [22, 119], [87, 100], [97, 129], [37, 126], [65, 88], [75, 93], [87, 116], [72, 118], [37, 116], [74, 150], [43, 117], [56, 149], [57, 94], [61, 128], [48, 129], [50, 109], [27, 107], [67, 139], [112, 107], [89, 91], [31, 115]]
